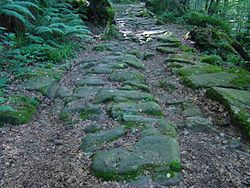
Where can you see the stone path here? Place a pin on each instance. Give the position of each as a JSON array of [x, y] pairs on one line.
[[115, 119]]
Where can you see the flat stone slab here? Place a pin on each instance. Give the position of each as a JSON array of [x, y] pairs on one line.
[[172, 45], [106, 95], [166, 50], [85, 92], [100, 70], [128, 59], [135, 85], [178, 60], [191, 110], [220, 79], [86, 111], [93, 141], [38, 84], [93, 128], [167, 39], [90, 81], [150, 108], [129, 76], [150, 154], [237, 102], [201, 68], [199, 124]]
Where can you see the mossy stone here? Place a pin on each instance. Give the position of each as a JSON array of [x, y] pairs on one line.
[[136, 85], [124, 76], [178, 60], [191, 110], [41, 84], [93, 128], [237, 102], [167, 39], [19, 110], [86, 111], [222, 79], [166, 50], [199, 124], [147, 154], [128, 59], [100, 70], [16, 116], [167, 85], [150, 108], [93, 141], [91, 81], [171, 45], [85, 92], [106, 95], [197, 69]]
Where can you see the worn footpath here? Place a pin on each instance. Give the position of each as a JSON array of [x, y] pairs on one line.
[[120, 117]]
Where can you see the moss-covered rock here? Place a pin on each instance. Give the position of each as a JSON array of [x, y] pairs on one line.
[[191, 110], [167, 39], [131, 76], [148, 154], [199, 124], [17, 110], [100, 70], [86, 111], [92, 128], [91, 81], [237, 102], [106, 95], [85, 92], [167, 84], [41, 84], [166, 50], [93, 141], [128, 59], [150, 108], [178, 60], [197, 69], [222, 79]]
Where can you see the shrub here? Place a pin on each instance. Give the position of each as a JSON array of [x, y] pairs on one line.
[[202, 20], [167, 17]]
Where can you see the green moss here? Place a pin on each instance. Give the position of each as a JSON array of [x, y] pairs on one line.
[[135, 52], [211, 59], [175, 166], [243, 80], [102, 47], [87, 115], [198, 69], [186, 48]]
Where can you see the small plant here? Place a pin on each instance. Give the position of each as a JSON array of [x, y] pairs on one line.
[[175, 166]]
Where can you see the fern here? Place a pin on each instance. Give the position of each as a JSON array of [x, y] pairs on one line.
[[19, 10]]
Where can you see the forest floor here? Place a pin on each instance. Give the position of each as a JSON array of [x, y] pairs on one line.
[[46, 152]]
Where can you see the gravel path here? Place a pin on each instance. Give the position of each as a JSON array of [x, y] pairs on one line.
[[46, 152]]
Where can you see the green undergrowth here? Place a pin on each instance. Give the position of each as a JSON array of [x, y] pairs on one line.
[[213, 27]]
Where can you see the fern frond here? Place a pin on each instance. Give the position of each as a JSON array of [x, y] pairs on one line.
[[13, 14], [20, 9]]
